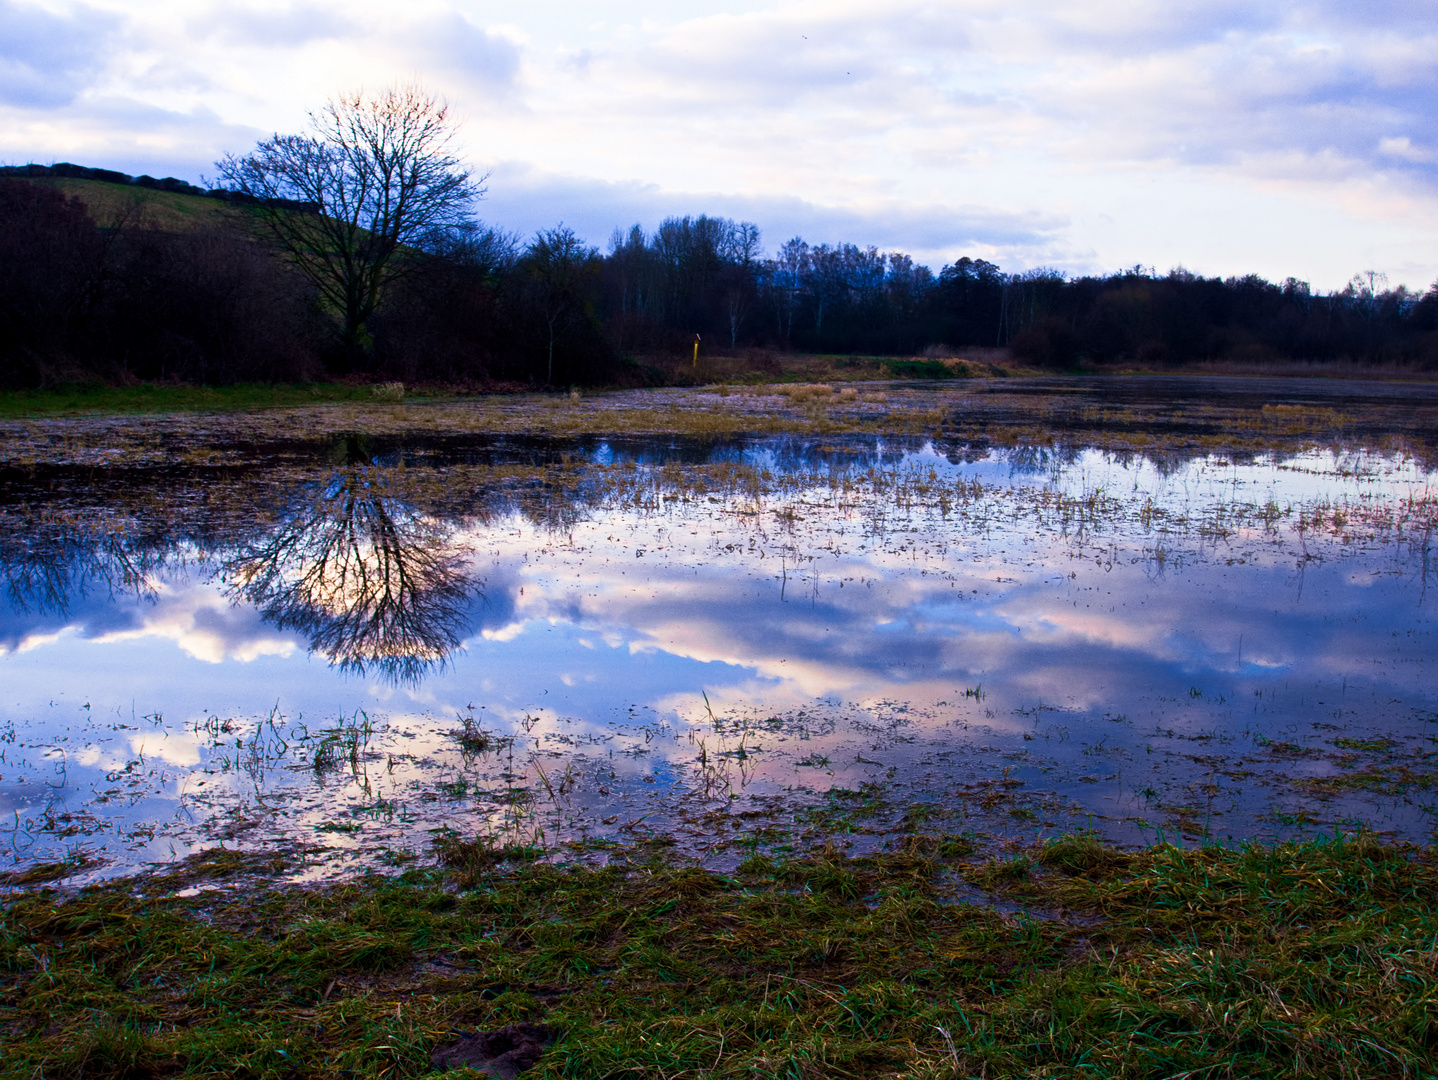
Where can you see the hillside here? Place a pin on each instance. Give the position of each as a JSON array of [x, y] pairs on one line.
[[119, 204], [115, 198]]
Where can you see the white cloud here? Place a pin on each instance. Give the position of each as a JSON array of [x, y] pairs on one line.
[[525, 199], [47, 56], [1295, 137], [505, 633], [204, 624], [481, 57], [172, 747], [269, 28], [1402, 147]]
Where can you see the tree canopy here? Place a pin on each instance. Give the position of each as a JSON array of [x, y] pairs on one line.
[[379, 177]]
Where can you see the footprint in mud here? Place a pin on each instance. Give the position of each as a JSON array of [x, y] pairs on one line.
[[501, 1054]]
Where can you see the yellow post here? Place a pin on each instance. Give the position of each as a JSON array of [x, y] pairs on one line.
[[696, 350]]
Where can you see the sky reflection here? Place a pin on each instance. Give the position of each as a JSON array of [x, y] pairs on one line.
[[1213, 649]]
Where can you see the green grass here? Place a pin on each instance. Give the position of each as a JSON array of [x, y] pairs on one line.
[[1305, 960], [167, 398], [170, 211]]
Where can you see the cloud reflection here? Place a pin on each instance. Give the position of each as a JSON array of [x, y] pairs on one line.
[[904, 640]]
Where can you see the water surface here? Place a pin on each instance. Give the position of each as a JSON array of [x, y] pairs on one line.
[[733, 643]]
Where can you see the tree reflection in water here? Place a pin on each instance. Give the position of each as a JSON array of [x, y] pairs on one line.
[[43, 568], [374, 584]]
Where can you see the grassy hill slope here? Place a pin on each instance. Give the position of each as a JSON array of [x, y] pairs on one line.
[[116, 204]]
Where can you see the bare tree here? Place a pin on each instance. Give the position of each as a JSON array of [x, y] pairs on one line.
[[741, 250], [380, 179], [792, 271]]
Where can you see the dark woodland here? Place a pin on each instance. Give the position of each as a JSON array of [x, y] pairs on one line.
[[120, 300]]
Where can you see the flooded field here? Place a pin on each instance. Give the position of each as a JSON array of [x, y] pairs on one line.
[[736, 620]]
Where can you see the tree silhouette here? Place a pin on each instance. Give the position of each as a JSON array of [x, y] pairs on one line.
[[560, 271], [373, 584], [380, 177]]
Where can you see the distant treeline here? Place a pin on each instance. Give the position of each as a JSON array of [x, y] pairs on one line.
[[122, 299]]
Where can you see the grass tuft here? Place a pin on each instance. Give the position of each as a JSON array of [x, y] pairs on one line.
[[1307, 960], [1082, 853]]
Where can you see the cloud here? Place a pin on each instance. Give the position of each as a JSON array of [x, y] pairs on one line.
[[197, 618], [1402, 147], [124, 133], [24, 628], [47, 58], [480, 57], [1226, 85], [1027, 133], [286, 27], [1288, 138], [525, 199]]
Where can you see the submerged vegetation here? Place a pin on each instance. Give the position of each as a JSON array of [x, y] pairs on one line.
[[274, 531], [384, 552], [745, 943], [1069, 959], [1165, 418]]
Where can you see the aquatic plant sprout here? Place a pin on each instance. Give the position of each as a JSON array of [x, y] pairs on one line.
[[617, 636]]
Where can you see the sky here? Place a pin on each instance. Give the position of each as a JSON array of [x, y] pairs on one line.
[[1278, 138]]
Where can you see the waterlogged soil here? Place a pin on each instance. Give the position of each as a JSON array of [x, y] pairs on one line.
[[1153, 414], [741, 621]]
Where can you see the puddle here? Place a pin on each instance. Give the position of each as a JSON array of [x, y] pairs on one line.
[[737, 644]]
